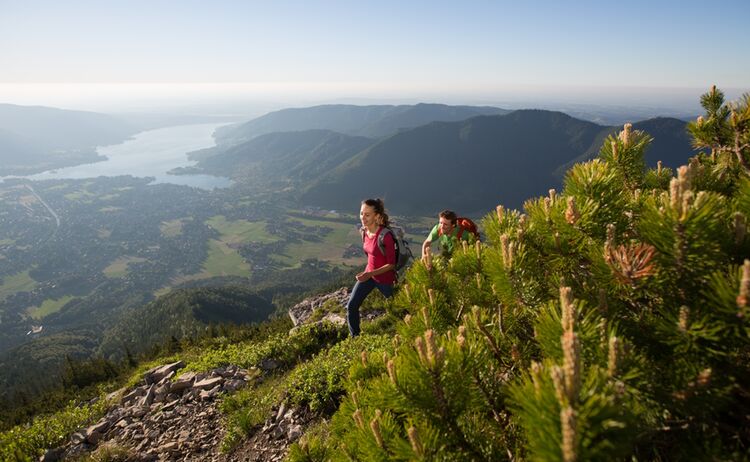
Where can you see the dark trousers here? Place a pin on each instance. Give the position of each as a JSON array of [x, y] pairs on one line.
[[359, 293]]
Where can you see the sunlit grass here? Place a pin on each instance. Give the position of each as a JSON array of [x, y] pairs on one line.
[[19, 282], [48, 307], [331, 247], [224, 261], [241, 231], [119, 267], [172, 228], [79, 196]]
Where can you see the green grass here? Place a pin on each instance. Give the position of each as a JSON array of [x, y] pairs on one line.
[[119, 267], [224, 261], [79, 195], [28, 442], [49, 306], [325, 214], [19, 282], [331, 248], [319, 383], [6, 241], [172, 228], [241, 231]]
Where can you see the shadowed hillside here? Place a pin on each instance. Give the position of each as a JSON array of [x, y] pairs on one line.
[[274, 157], [473, 163]]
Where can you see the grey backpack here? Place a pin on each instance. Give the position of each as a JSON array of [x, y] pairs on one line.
[[403, 252]]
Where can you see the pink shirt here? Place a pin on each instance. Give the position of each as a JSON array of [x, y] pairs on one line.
[[375, 259]]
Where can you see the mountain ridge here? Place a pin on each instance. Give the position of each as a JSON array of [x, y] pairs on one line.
[[372, 121], [529, 149], [38, 138]]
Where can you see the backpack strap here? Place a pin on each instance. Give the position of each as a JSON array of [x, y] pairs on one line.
[[381, 240], [460, 230], [379, 235]]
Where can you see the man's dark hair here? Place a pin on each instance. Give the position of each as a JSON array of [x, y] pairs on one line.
[[449, 215]]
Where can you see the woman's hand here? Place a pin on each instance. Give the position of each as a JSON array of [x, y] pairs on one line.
[[363, 276]]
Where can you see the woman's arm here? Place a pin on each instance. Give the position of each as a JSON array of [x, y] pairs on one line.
[[365, 275], [383, 269]]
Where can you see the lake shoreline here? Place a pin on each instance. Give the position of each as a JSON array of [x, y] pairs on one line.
[[155, 154]]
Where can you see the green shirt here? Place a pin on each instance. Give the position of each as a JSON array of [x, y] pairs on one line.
[[448, 242]]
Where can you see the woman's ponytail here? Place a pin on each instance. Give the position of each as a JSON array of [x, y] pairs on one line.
[[379, 207]]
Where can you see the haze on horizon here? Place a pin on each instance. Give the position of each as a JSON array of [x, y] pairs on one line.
[[139, 55]]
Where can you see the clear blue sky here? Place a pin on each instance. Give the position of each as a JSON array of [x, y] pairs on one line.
[[384, 48]]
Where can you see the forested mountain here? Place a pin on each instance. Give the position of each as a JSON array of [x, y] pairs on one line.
[[62, 129], [184, 313], [466, 165], [34, 138], [291, 156], [16, 148], [672, 145], [368, 121]]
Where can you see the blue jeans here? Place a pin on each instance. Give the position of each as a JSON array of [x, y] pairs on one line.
[[359, 293]]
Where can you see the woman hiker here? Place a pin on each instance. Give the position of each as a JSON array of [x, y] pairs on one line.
[[380, 270]]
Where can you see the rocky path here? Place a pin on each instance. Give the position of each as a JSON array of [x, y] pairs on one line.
[[164, 420]]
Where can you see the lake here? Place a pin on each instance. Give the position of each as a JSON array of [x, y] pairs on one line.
[[149, 154]]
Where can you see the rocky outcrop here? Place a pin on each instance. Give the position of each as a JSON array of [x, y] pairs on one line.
[[304, 310], [161, 419], [330, 307]]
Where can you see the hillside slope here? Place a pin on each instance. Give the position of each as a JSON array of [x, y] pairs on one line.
[[287, 156], [35, 138], [466, 165], [184, 313]]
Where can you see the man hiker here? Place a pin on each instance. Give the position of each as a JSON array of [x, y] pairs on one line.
[[448, 232]]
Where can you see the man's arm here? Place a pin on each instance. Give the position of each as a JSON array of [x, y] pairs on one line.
[[425, 246], [430, 237]]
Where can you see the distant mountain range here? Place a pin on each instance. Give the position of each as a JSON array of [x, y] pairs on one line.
[[469, 165], [35, 138], [368, 121]]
